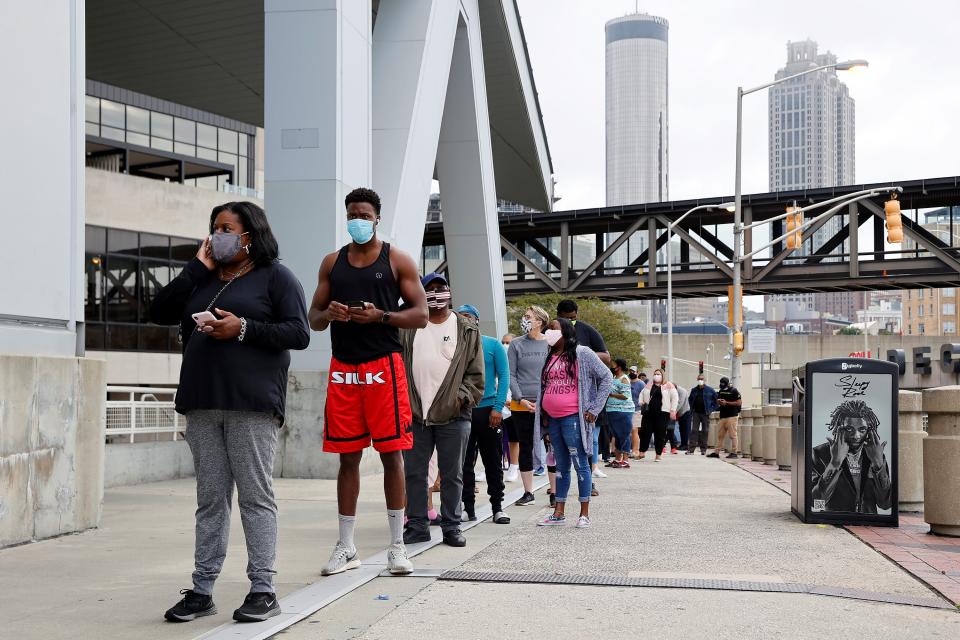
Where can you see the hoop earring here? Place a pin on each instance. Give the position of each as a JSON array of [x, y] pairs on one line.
[[247, 248]]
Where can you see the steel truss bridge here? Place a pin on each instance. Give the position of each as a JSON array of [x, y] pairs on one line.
[[618, 253]]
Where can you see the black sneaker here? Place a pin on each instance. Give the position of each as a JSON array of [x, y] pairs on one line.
[[526, 498], [193, 605], [257, 607], [469, 514], [411, 536], [454, 538], [713, 455], [732, 455], [690, 452]]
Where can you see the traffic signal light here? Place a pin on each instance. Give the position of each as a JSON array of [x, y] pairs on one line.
[[700, 367], [894, 224], [794, 222], [738, 342], [663, 365]]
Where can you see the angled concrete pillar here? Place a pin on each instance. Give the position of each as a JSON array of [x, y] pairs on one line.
[[784, 436], [465, 171], [770, 424], [745, 432], [910, 454], [412, 48]]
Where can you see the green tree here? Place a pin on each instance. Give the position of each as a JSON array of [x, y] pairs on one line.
[[850, 331], [622, 341]]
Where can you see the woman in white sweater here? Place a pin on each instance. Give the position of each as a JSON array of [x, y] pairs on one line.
[[659, 400]]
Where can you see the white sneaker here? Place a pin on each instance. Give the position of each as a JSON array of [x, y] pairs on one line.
[[583, 522], [341, 559], [599, 474], [397, 562], [512, 474], [481, 477]]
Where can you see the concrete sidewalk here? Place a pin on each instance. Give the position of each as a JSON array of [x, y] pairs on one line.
[[685, 521], [116, 581]]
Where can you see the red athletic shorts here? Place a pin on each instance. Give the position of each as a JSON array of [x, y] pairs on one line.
[[365, 402]]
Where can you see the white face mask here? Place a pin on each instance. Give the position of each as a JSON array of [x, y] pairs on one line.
[[553, 336], [658, 378], [699, 383]]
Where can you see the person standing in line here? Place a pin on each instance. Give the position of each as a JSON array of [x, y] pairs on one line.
[[620, 409], [526, 356], [729, 400], [574, 386], [636, 387], [357, 298], [511, 445], [486, 426], [659, 401], [444, 364], [703, 402], [587, 335], [233, 387], [683, 420]]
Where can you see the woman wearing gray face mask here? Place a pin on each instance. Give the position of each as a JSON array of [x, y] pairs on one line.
[[233, 383]]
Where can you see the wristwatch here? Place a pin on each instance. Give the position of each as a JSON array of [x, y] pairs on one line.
[[385, 318]]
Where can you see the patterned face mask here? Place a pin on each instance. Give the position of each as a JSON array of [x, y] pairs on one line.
[[438, 299]]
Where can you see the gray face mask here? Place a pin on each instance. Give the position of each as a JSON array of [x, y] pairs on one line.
[[226, 245]]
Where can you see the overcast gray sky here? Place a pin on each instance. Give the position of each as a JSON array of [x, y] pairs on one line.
[[906, 102]]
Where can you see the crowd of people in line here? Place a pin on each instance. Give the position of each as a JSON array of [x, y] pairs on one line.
[[409, 376]]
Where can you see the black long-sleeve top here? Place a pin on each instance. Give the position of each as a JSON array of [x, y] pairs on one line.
[[230, 375]]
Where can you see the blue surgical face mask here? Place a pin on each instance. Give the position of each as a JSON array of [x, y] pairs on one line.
[[360, 229]]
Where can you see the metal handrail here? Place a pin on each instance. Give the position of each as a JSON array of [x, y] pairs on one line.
[[127, 417]]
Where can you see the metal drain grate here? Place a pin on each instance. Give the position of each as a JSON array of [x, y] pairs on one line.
[[667, 582]]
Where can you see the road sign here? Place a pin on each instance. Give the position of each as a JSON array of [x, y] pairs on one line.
[[762, 341]]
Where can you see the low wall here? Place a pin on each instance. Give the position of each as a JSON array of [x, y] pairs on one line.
[[140, 462], [52, 418]]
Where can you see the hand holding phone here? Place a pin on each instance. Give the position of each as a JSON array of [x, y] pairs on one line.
[[203, 317], [356, 304]]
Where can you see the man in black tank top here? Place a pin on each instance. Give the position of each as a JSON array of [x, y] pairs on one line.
[[358, 296]]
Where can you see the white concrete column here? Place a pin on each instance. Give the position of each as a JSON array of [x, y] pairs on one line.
[[412, 46], [784, 437], [467, 191], [910, 455], [770, 424], [317, 122], [941, 460]]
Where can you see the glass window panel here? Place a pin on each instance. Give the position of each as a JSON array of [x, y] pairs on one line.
[[184, 149], [111, 133], [154, 246], [122, 337], [227, 140], [111, 114], [161, 125], [93, 303], [121, 289], [161, 143], [138, 119], [185, 130], [153, 338], [183, 249], [95, 239], [92, 109], [141, 139], [244, 143], [153, 277], [241, 178], [227, 158], [95, 336], [221, 182], [206, 136], [93, 129], [206, 154], [120, 241]]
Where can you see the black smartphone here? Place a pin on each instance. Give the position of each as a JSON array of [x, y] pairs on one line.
[[356, 304]]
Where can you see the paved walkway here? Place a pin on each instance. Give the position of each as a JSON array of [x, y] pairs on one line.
[[933, 559]]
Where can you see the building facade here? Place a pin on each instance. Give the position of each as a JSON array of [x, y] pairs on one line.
[[932, 312], [637, 132]]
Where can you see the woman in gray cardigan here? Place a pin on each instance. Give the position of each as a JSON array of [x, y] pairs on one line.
[[574, 387]]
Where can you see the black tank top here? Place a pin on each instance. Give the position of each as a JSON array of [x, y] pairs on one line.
[[355, 343]]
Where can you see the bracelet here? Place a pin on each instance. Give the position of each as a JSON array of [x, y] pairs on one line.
[[243, 330]]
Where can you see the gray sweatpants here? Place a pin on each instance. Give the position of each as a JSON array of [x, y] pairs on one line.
[[234, 447], [450, 441]]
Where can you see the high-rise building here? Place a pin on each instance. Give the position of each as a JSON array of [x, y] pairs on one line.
[[932, 312], [812, 144], [636, 109]]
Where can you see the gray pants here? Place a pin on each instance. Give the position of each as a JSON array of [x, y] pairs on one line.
[[234, 447], [699, 431], [450, 441]]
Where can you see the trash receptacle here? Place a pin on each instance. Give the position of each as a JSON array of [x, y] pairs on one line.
[[845, 445]]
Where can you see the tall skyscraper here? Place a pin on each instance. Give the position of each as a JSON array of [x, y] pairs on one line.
[[812, 143], [636, 106]]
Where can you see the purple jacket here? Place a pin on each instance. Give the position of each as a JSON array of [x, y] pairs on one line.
[[594, 381]]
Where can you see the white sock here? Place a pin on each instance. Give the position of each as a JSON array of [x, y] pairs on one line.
[[395, 518], [514, 467], [347, 523]]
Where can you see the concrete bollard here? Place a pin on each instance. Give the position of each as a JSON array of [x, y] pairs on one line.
[[910, 458], [770, 434], [941, 460], [714, 424], [744, 426], [756, 436], [784, 436]]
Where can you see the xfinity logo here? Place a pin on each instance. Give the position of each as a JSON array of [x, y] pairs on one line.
[[352, 377], [850, 365]]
